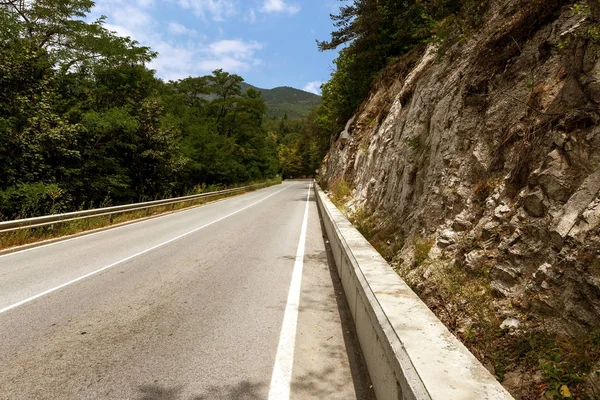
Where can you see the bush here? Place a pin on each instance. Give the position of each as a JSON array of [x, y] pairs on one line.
[[422, 249], [31, 199], [340, 189]]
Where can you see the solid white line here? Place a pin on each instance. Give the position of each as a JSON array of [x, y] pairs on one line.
[[37, 296], [284, 361], [105, 230]]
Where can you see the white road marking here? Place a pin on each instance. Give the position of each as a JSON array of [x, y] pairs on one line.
[[37, 296], [102, 231], [284, 361]]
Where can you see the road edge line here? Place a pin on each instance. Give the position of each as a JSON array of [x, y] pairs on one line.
[[281, 379], [10, 251], [54, 289]]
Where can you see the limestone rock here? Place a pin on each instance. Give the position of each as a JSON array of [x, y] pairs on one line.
[[545, 273], [475, 259], [504, 278], [534, 204], [489, 230], [447, 234], [502, 211], [510, 323], [513, 380], [593, 382], [461, 224], [577, 203], [553, 179], [593, 90], [507, 176]]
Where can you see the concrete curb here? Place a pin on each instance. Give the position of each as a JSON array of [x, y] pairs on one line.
[[409, 353]]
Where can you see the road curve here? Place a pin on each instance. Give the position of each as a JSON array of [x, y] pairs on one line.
[[186, 306]]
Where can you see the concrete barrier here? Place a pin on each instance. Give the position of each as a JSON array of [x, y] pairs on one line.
[[409, 353]]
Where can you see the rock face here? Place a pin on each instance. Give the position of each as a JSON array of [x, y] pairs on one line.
[[496, 144]]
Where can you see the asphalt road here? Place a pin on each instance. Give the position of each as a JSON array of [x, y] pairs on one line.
[[233, 300]]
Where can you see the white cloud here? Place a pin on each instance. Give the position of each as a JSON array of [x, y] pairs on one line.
[[219, 10], [173, 62], [178, 29], [226, 63], [279, 6], [230, 55], [145, 3], [132, 18], [250, 16], [237, 48], [102, 5], [195, 56], [313, 87]]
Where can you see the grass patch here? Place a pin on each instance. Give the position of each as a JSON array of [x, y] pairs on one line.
[[363, 222], [340, 190], [414, 143], [422, 249], [562, 362], [384, 238], [550, 365]]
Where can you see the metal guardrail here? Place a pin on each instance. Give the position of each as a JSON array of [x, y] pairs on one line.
[[37, 222]]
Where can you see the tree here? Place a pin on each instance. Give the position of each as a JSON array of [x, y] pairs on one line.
[[52, 63], [59, 27], [375, 33], [84, 123]]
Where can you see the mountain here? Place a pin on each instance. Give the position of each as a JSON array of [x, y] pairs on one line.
[[281, 100], [482, 186]]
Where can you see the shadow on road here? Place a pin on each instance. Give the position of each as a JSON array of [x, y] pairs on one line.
[[244, 390], [358, 367]]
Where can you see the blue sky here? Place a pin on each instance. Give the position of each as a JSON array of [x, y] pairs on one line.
[[268, 42]]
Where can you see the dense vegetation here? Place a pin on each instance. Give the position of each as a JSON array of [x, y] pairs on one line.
[[287, 101], [375, 33], [302, 143], [84, 123]]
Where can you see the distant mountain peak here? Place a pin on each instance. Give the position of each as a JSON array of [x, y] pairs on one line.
[[284, 100]]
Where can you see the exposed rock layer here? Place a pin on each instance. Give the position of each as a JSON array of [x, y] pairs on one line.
[[495, 143]]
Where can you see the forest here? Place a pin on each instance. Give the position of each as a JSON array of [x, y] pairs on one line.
[[374, 34], [85, 123]]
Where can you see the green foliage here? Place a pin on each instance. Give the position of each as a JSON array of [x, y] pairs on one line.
[[59, 28], [340, 190], [563, 360], [422, 247], [301, 144], [288, 101], [363, 222], [25, 200], [223, 138], [375, 34], [84, 123], [590, 29]]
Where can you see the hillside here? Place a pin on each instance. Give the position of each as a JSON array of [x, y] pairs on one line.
[[474, 170], [281, 100]]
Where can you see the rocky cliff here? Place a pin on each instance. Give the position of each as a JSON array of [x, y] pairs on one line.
[[475, 169]]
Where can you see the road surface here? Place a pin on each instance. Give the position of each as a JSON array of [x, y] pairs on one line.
[[233, 300]]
